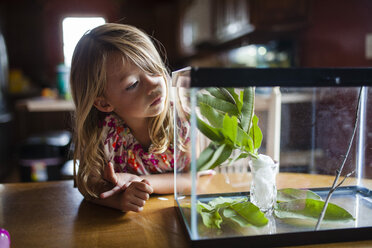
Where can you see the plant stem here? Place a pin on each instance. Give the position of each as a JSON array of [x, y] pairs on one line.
[[339, 171], [254, 155]]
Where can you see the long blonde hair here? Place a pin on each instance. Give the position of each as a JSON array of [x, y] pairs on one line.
[[88, 81]]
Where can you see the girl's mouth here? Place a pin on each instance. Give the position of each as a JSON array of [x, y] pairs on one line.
[[156, 101]]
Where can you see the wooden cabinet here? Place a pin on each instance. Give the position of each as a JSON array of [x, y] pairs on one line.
[[219, 22], [278, 16], [231, 19]]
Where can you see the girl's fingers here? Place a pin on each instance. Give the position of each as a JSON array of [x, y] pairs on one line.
[[142, 195], [138, 202], [113, 191], [109, 192], [132, 207], [142, 186], [146, 181], [134, 198]]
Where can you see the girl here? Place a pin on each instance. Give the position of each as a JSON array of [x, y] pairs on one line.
[[123, 125]]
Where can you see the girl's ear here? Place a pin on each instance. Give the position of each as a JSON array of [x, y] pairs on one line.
[[102, 105]]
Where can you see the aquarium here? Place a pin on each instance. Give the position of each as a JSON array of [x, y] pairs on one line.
[[273, 156]]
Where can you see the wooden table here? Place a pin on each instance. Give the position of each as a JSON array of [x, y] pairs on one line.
[[54, 214]]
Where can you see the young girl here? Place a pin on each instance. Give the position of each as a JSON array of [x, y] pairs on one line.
[[123, 125]]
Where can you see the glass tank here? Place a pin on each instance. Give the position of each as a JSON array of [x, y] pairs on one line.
[[273, 156]]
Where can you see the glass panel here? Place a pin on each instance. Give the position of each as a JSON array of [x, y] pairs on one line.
[[182, 148], [306, 130]]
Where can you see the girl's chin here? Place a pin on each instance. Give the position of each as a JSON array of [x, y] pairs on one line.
[[156, 110]]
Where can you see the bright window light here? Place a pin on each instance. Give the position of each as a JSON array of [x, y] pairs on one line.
[[73, 28]]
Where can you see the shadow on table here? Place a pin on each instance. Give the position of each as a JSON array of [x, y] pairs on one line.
[[99, 226]]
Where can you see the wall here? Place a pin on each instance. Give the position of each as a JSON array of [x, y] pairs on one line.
[[336, 38], [33, 29], [33, 32], [53, 13], [21, 23], [336, 34]]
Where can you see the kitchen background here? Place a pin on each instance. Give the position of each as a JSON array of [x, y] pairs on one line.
[[254, 33]]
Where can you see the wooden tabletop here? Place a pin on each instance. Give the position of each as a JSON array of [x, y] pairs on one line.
[[54, 214]]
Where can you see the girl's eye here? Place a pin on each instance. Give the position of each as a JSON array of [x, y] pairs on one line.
[[132, 86]]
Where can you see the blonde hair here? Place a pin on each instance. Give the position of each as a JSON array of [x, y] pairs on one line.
[[88, 81]]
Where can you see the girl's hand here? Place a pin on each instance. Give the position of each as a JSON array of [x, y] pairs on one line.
[[135, 196], [120, 180]]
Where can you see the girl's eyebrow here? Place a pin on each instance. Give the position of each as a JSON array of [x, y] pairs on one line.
[[125, 75]]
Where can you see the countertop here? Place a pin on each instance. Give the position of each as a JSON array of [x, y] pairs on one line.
[[45, 105]]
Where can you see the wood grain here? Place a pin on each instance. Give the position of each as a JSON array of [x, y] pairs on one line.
[[54, 214]]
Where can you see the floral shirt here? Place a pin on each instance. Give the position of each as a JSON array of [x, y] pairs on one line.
[[127, 154]]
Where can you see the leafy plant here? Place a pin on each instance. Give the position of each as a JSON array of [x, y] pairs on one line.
[[289, 194], [230, 123], [305, 205], [293, 205], [238, 210]]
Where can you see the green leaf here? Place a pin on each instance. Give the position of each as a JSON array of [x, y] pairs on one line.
[[218, 104], [238, 210], [206, 155], [211, 219], [228, 95], [231, 122], [244, 141], [219, 156], [310, 209], [210, 212], [247, 108], [230, 126], [289, 194], [221, 93], [209, 131], [214, 91], [217, 219], [256, 134], [203, 207], [250, 213], [236, 97], [221, 202], [235, 217], [214, 117], [241, 97]]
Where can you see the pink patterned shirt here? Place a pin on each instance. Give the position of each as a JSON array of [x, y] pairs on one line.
[[127, 154]]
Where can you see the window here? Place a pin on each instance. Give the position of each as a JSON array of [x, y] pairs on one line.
[[73, 28]]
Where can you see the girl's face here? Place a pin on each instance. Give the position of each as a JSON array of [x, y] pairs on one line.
[[132, 93]]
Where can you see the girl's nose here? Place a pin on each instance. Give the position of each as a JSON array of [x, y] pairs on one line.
[[152, 85]]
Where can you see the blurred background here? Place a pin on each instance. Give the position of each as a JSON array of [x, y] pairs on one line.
[[37, 38]]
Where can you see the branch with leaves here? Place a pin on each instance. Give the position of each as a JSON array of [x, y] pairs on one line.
[[230, 123]]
